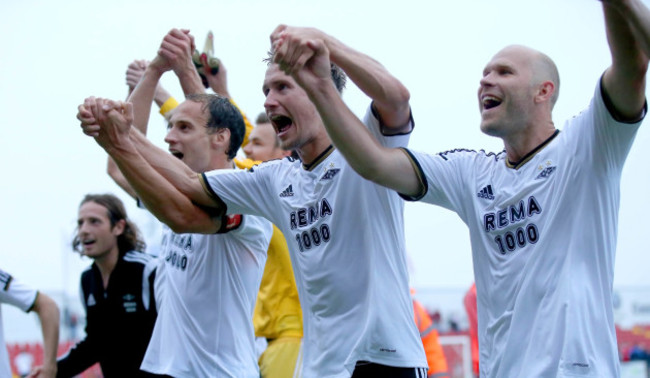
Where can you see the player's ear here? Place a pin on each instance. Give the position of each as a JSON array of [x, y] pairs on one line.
[[118, 229], [221, 138], [545, 91]]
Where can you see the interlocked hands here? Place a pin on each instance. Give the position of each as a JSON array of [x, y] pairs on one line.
[[108, 121]]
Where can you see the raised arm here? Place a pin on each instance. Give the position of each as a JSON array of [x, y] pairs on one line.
[[390, 97], [177, 47], [147, 90], [134, 73], [308, 63], [638, 18], [48, 314], [144, 87], [112, 130], [218, 82], [628, 33]]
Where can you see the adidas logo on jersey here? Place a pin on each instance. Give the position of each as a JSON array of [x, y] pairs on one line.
[[329, 174], [486, 193], [91, 300], [288, 192]]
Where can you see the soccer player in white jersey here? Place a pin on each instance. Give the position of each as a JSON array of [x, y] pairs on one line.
[[353, 281], [542, 214], [19, 295], [208, 283]]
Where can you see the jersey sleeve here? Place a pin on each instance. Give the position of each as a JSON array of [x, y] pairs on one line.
[[82, 355], [599, 137], [16, 293], [79, 358], [148, 288], [445, 177], [255, 232], [375, 126], [243, 191], [245, 196]]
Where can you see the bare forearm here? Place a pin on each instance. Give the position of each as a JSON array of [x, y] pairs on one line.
[[385, 166], [190, 81], [625, 80], [161, 95], [117, 176], [638, 17], [172, 169], [142, 97], [156, 193], [390, 96], [48, 313]]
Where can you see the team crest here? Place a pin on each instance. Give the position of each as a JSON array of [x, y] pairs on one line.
[[546, 170], [129, 304], [330, 174]]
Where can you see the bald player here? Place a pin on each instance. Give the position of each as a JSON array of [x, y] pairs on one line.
[[542, 214]]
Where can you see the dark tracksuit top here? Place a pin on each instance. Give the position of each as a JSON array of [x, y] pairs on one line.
[[119, 320]]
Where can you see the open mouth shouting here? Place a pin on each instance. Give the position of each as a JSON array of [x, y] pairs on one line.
[[178, 154], [281, 124], [489, 102]]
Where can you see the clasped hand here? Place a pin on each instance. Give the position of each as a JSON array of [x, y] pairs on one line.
[[106, 120]]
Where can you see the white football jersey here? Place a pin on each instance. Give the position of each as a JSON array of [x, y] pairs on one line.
[[209, 284], [17, 294], [346, 239], [543, 238]]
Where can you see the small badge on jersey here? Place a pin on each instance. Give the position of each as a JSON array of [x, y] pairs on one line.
[[329, 174], [546, 170], [129, 304]]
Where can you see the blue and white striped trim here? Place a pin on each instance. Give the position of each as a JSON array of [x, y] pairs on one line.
[[421, 372]]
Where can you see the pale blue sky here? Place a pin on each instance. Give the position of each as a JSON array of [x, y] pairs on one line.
[[54, 54]]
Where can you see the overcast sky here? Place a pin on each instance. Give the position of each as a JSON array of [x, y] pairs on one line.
[[54, 54]]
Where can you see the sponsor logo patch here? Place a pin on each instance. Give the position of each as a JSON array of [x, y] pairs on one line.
[[486, 193]]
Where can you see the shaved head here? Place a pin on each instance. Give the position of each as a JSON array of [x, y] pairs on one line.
[[542, 67], [545, 70]]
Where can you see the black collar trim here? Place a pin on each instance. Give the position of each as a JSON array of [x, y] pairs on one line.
[[525, 159], [319, 159]]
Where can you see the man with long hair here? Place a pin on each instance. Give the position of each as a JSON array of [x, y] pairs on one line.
[[117, 291]]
